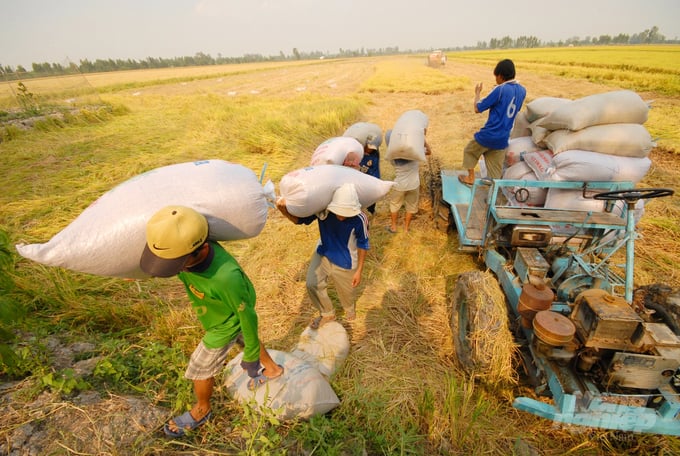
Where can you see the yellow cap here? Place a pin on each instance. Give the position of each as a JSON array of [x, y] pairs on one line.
[[172, 234]]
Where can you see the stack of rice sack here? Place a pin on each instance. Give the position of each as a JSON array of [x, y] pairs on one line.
[[595, 138]]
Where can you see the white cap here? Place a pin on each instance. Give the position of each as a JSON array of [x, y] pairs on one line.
[[345, 201]]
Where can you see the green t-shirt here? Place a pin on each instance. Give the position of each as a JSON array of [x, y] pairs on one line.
[[223, 298]]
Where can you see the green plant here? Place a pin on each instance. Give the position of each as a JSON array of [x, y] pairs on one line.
[[27, 99], [259, 428], [65, 381], [10, 310]]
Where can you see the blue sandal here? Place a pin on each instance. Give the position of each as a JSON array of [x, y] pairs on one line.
[[185, 422], [255, 382]]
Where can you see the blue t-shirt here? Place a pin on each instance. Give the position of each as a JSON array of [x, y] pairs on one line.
[[504, 103], [370, 164], [340, 239]]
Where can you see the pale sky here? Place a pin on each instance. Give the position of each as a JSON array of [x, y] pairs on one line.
[[55, 31]]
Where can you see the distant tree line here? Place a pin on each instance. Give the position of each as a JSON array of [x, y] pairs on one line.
[[650, 36]]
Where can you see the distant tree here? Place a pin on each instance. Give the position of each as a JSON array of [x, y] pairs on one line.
[[621, 38], [296, 53], [603, 39]]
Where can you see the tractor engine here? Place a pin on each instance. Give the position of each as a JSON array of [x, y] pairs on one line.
[[619, 347], [606, 340]]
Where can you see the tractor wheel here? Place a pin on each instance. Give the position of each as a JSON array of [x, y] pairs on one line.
[[479, 321], [664, 301]]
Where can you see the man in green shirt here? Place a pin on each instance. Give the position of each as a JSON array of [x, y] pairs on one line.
[[222, 296]]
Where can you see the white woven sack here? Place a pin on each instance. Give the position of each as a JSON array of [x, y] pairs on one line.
[[541, 107], [521, 126], [308, 191], [407, 140], [620, 106], [325, 348], [108, 237], [624, 140], [573, 200], [581, 165], [301, 392], [536, 195], [541, 163], [538, 134], [517, 147], [333, 151], [365, 132]]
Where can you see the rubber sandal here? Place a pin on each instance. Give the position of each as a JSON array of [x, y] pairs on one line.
[[185, 422], [320, 321], [255, 382], [390, 230]]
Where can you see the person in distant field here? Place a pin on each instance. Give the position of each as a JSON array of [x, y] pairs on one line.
[[370, 162], [222, 296], [340, 254], [406, 189], [504, 103]]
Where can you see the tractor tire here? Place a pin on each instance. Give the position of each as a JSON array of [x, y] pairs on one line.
[[482, 339]]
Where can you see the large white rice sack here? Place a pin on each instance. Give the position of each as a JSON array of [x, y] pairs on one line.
[[517, 147], [334, 150], [108, 237], [325, 348], [301, 392], [365, 132], [582, 165], [308, 191], [541, 163], [521, 126], [538, 134], [625, 140], [407, 140], [541, 107], [620, 106], [573, 200], [530, 196]]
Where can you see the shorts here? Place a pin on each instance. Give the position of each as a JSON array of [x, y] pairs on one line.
[[207, 362], [408, 198], [493, 158]]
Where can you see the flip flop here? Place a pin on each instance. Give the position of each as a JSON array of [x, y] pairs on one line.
[[185, 422], [390, 230], [255, 382], [320, 321], [460, 178]]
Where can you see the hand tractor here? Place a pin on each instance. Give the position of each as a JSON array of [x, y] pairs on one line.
[[597, 352]]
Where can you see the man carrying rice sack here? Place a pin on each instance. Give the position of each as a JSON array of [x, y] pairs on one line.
[[222, 296], [340, 254], [504, 103], [370, 135]]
